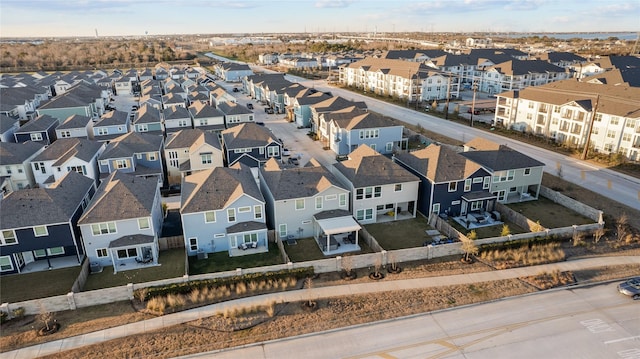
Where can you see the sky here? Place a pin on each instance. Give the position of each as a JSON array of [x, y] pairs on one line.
[[52, 18]]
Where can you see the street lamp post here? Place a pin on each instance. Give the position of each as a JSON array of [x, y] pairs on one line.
[[474, 87]]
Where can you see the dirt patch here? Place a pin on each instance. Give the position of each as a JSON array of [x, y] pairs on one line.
[[554, 279]]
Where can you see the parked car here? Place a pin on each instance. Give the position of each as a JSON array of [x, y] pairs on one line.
[[259, 123], [341, 158], [235, 89], [269, 110], [250, 106], [286, 152], [475, 112], [631, 288], [293, 161]]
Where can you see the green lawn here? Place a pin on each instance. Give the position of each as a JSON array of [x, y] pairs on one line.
[[408, 233], [307, 249], [172, 266], [550, 214], [27, 286], [220, 262]]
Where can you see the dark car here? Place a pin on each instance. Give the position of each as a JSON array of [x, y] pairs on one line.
[[475, 112], [269, 110], [631, 288], [293, 161], [235, 89], [259, 123], [250, 106]]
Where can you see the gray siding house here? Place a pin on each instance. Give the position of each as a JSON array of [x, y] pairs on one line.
[[138, 153]]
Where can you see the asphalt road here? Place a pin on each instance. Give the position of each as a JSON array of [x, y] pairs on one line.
[[589, 322], [619, 187]]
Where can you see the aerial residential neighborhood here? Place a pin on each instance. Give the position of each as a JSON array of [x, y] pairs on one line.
[[287, 188]]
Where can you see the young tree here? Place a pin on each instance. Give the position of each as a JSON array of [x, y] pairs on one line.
[[505, 230], [622, 227], [469, 246]]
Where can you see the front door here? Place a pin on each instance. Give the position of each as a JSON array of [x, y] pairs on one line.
[[28, 257], [19, 259]]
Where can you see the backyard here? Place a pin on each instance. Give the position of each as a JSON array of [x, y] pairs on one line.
[[489, 231], [550, 214], [171, 266], [408, 233], [306, 249], [220, 261], [26, 286]]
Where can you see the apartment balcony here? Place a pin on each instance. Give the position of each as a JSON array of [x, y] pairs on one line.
[[502, 101], [543, 109], [564, 129]]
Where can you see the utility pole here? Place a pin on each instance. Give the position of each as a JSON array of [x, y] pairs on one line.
[[446, 104], [587, 142], [473, 101]]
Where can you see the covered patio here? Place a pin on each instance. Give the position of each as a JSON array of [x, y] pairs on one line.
[[477, 210], [336, 232], [247, 238], [50, 263], [133, 252]]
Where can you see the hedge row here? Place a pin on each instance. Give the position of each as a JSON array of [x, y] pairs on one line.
[[520, 243], [187, 287]]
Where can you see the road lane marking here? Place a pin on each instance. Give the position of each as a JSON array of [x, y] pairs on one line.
[[621, 339], [597, 326]]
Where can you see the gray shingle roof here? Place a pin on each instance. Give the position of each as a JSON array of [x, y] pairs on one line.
[[216, 188], [189, 137], [332, 213], [246, 227], [66, 100], [501, 159], [7, 123], [147, 114], [131, 240], [299, 182], [121, 196], [176, 112], [40, 206], [247, 135], [233, 109], [74, 121], [38, 124], [65, 148], [366, 167], [131, 143], [113, 118], [201, 110], [16, 153], [439, 163]]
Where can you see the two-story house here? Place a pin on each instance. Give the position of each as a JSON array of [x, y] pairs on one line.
[[449, 182], [191, 150], [41, 129], [111, 125], [222, 209], [67, 155], [177, 118], [8, 126], [351, 127], [235, 113], [148, 119], [381, 190], [15, 168], [39, 225], [206, 118], [121, 225], [299, 199], [77, 126], [250, 144], [515, 177], [135, 152]]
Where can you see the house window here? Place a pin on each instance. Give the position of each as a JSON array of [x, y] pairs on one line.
[[626, 137], [453, 186], [319, 202], [65, 134], [527, 171], [373, 146], [250, 237], [476, 205], [39, 166], [330, 197], [143, 223], [143, 128], [477, 180], [257, 212], [55, 251], [8, 237], [360, 193], [103, 228], [206, 158], [182, 123], [151, 156], [398, 187], [102, 252], [364, 214], [193, 244], [5, 264], [299, 204], [173, 154], [39, 253], [209, 217], [273, 151], [79, 169], [467, 185], [40, 231], [342, 200], [231, 214], [282, 230], [435, 208], [244, 209], [615, 120], [104, 163], [486, 183], [389, 146], [219, 235], [127, 253], [103, 131], [36, 137], [122, 164]]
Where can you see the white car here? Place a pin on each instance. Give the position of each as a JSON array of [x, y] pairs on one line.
[[286, 152]]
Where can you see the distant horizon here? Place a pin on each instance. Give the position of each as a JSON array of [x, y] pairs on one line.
[[124, 18]]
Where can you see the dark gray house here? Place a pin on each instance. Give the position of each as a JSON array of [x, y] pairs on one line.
[[41, 129], [250, 144]]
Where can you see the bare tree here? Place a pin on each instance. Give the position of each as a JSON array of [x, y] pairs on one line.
[[622, 227], [347, 265], [598, 234], [46, 318]]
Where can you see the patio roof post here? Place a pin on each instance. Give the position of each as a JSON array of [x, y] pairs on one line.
[[328, 242], [395, 211], [113, 262], [356, 237]]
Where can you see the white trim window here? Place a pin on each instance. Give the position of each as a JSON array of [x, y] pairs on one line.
[[397, 187], [5, 264], [282, 230], [209, 217], [299, 204], [342, 200], [40, 231], [231, 214], [319, 202], [257, 212], [487, 182], [55, 251], [37, 136], [435, 208], [467, 185], [389, 147], [143, 223], [193, 244], [244, 209], [273, 151], [8, 236], [453, 186], [127, 253], [527, 171], [364, 214], [102, 252], [99, 229]]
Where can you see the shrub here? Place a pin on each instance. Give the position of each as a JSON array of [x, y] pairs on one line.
[[157, 304], [175, 301], [18, 312]]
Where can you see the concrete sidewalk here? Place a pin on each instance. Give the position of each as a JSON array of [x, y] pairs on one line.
[[305, 294]]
